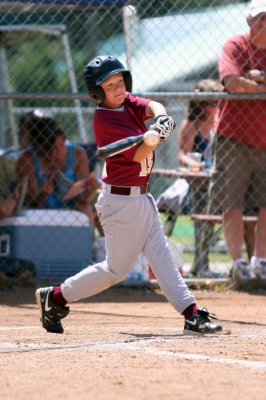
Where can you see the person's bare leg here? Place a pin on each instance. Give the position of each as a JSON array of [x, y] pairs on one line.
[[249, 237], [234, 232], [242, 271]]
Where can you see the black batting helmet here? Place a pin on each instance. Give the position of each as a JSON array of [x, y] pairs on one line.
[[100, 69]]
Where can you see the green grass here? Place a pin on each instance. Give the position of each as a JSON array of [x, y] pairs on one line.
[[184, 230], [213, 257], [183, 235]]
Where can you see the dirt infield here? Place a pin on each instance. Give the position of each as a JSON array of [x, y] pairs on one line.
[[128, 344]]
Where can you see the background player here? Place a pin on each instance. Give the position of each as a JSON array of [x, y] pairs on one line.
[[127, 210]]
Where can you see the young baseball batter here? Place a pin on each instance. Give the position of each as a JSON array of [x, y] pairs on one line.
[[127, 210]]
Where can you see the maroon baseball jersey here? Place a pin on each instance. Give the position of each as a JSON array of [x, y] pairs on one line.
[[111, 125], [242, 120]]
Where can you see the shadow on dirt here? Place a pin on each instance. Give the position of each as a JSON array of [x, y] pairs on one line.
[[22, 296]]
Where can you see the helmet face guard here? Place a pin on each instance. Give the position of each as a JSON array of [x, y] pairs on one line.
[[100, 69]]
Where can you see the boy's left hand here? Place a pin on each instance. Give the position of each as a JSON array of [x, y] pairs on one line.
[[164, 124], [165, 121]]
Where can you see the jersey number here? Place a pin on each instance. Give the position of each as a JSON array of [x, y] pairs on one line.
[[146, 165]]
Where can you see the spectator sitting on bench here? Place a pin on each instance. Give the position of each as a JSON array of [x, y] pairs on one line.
[[196, 130], [58, 172], [195, 135], [11, 194], [24, 124], [23, 134]]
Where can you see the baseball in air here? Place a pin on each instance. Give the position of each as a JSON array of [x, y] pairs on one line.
[[151, 138]]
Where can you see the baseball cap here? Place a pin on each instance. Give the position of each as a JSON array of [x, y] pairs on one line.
[[257, 7], [32, 115]]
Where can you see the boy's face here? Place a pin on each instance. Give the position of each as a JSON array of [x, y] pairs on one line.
[[115, 91]]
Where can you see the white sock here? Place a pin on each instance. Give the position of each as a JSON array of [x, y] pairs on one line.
[[238, 260], [253, 261]]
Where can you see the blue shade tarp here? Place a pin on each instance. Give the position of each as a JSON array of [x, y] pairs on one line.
[[43, 11], [4, 5]]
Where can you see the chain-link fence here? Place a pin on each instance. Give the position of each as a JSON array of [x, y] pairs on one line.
[[169, 47]]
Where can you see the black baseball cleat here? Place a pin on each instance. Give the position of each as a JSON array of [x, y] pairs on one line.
[[51, 313], [200, 323]]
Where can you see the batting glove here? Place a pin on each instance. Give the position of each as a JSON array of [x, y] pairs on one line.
[[165, 121], [164, 124]]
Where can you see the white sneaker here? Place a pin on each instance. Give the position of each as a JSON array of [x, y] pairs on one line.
[[260, 270], [242, 271]]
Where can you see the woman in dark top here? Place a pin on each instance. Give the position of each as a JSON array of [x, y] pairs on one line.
[[195, 135]]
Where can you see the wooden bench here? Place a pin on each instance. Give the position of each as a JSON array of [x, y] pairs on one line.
[[218, 219]]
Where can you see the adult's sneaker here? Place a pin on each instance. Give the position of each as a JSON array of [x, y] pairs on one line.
[[51, 313], [260, 270], [242, 271], [201, 324]]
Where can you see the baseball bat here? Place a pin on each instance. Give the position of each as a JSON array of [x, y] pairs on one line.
[[117, 147]]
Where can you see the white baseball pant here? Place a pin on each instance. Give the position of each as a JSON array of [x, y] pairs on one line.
[[132, 225]]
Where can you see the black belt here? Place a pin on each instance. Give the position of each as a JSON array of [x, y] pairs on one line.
[[126, 190]]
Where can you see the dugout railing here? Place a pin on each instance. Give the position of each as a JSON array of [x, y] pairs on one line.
[[180, 238], [168, 45]]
